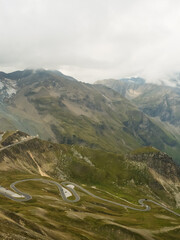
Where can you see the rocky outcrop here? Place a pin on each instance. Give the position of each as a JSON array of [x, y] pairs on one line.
[[165, 174], [16, 136], [160, 162]]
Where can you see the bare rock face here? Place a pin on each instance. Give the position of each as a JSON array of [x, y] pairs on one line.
[[162, 169], [13, 138], [160, 162]]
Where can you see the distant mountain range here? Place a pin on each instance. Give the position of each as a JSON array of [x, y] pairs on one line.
[[160, 102], [53, 106]]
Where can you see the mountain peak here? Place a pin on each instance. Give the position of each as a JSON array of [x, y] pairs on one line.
[[16, 75], [136, 80]]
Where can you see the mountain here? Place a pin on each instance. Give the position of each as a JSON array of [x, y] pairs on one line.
[[160, 102], [127, 87], [63, 110], [143, 173], [25, 73], [174, 80], [155, 100]]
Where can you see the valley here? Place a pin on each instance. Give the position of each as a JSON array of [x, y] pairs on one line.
[[159, 101], [63, 110], [105, 193], [85, 163]]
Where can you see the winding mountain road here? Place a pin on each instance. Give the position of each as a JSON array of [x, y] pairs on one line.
[[26, 197]]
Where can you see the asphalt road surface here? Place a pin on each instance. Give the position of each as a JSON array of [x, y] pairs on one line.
[[26, 197]]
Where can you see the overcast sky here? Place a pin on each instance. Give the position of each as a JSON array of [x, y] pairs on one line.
[[92, 39]]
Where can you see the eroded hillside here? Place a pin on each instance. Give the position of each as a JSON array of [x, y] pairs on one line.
[[58, 108], [108, 175]]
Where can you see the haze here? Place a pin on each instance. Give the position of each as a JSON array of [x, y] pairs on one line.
[[92, 39]]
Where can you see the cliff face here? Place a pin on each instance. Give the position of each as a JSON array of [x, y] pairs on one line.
[[160, 162], [162, 169], [10, 138]]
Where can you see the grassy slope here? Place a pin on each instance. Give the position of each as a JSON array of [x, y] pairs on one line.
[[46, 216]]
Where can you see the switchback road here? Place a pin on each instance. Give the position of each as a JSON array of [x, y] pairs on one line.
[[26, 197]]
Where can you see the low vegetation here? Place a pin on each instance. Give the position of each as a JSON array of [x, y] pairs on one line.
[[108, 175]]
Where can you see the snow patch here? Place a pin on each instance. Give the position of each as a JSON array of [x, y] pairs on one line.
[[67, 192], [10, 91], [10, 193], [70, 186], [7, 88]]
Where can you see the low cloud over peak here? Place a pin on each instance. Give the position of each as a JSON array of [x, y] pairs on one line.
[[92, 40]]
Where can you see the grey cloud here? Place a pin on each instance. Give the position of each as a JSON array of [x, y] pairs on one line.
[[92, 39]]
